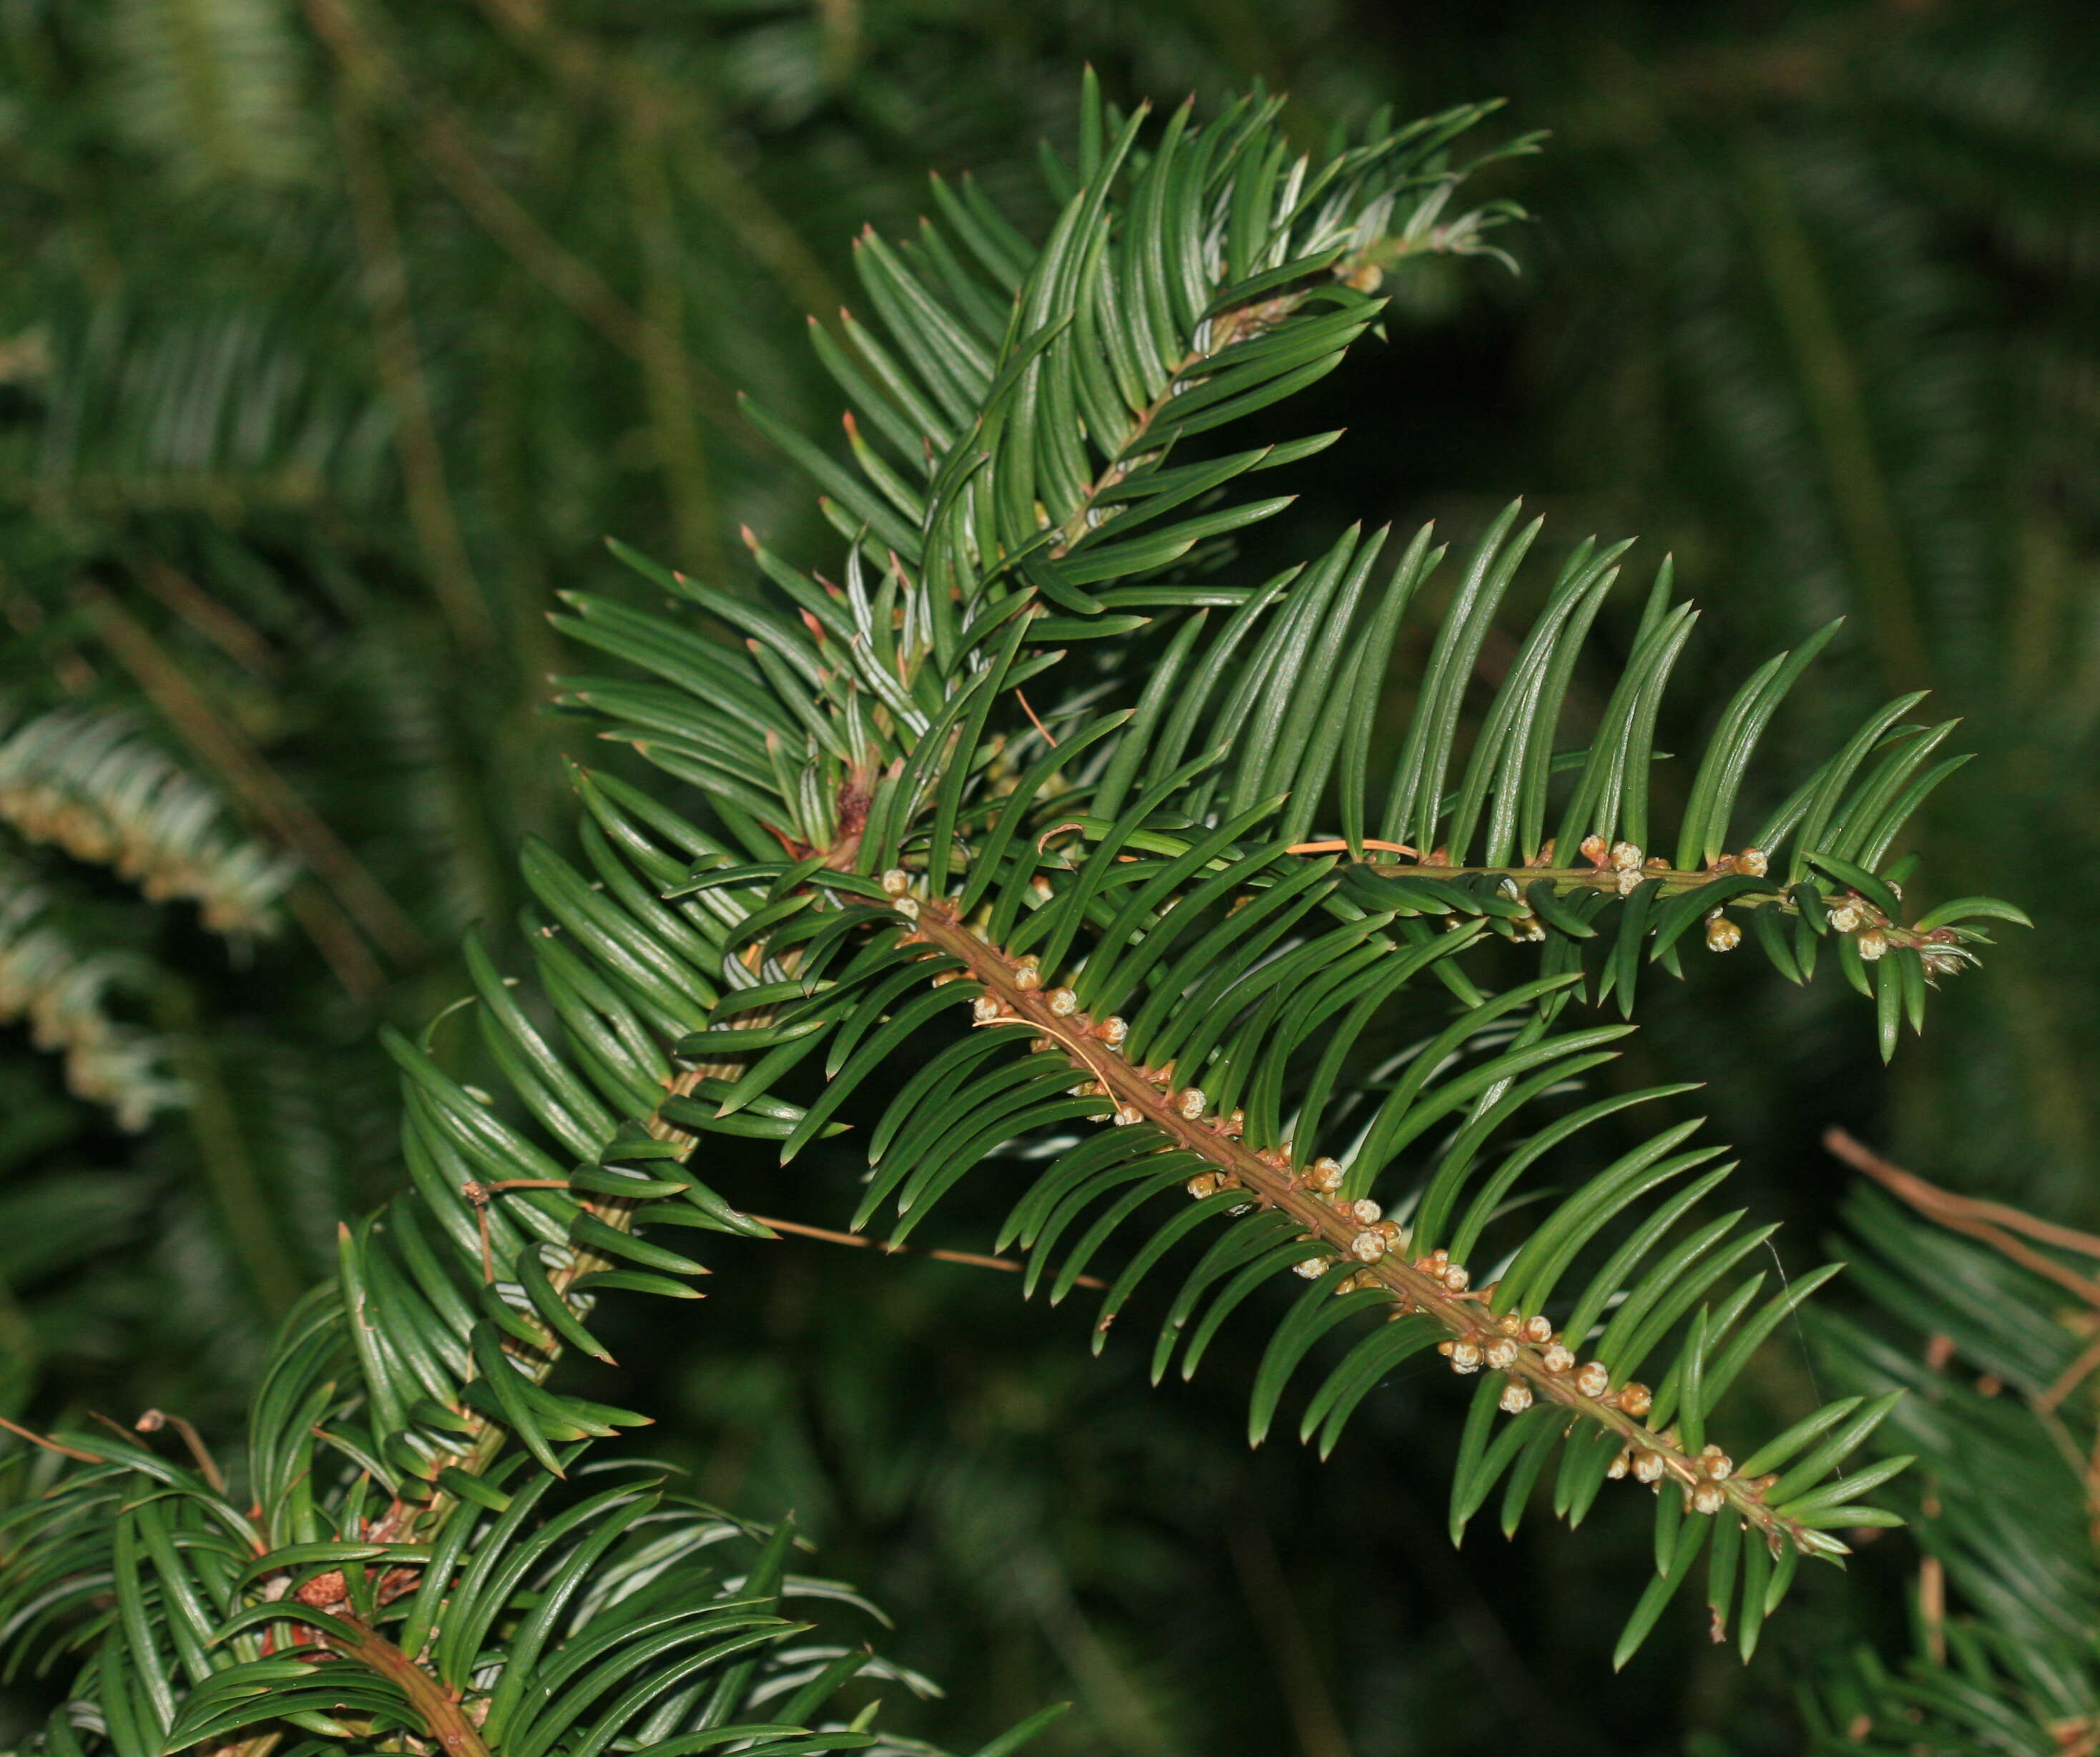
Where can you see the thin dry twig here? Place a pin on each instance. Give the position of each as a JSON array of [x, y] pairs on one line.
[[154, 1421], [1336, 845], [1022, 698], [1993, 1222], [50, 1445], [268, 797], [967, 1257]]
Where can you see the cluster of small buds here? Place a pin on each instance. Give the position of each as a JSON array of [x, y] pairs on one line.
[[1708, 1498], [1846, 914], [1502, 1353], [896, 882], [1311, 1268], [1363, 1211], [1113, 1029], [1368, 1245], [1648, 1467], [1594, 850], [1324, 1176], [1190, 1103], [1874, 943], [984, 1009], [1626, 857], [907, 907], [1439, 1266], [1063, 1002], [1721, 935], [1593, 1378], [1126, 1113], [1357, 1281], [1028, 973], [1515, 1398], [1635, 1398], [1618, 1466], [1203, 1184], [1537, 1329], [1465, 1357], [1716, 1462], [1557, 1358], [1753, 861]]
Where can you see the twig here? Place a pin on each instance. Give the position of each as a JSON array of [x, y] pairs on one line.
[[2069, 1380], [1987, 1221], [969, 1257], [1336, 846], [397, 352], [1045, 731], [50, 1445], [269, 797], [196, 606], [1293, 1657], [667, 382], [153, 1420]]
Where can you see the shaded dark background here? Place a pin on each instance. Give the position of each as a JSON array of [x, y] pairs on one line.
[[337, 333]]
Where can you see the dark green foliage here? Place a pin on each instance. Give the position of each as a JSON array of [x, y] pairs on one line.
[[1999, 1409], [621, 1009]]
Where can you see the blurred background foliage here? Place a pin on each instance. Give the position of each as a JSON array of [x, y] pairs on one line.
[[335, 335]]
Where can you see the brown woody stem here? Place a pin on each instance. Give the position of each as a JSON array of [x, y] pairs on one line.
[[443, 1716], [1273, 1182]]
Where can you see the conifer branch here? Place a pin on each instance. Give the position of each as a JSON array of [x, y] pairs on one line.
[[1340, 1232]]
